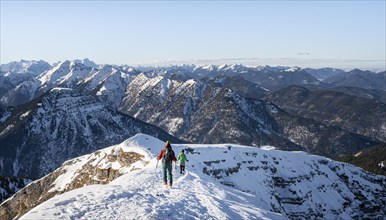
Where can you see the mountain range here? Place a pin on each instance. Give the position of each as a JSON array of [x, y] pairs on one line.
[[49, 114]]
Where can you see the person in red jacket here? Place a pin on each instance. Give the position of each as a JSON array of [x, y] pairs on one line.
[[167, 155]]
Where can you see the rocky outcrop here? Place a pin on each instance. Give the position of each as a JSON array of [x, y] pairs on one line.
[[100, 167], [10, 185]]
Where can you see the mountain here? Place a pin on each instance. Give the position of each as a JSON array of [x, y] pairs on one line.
[[373, 94], [31, 67], [222, 181], [353, 114], [21, 77], [65, 74], [88, 63], [199, 112], [198, 103], [359, 78], [376, 95], [10, 185], [63, 123], [205, 111], [372, 159], [272, 78], [106, 81], [323, 73], [239, 85]]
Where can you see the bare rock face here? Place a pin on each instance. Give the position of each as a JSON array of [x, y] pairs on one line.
[[100, 167]]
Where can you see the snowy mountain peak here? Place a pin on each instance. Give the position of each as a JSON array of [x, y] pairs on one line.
[[293, 69], [87, 62], [32, 67], [233, 181]]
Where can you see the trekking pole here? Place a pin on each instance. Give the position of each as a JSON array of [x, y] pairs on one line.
[[156, 165]]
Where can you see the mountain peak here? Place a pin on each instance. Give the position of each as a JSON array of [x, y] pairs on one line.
[[234, 181], [87, 62]]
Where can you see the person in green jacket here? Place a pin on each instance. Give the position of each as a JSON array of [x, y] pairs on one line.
[[182, 159]]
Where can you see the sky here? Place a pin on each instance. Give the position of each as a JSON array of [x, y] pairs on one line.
[[342, 34]]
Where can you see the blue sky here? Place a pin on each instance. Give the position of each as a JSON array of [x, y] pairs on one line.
[[344, 34]]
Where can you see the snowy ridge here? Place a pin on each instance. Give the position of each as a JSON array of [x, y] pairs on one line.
[[223, 182], [32, 67]]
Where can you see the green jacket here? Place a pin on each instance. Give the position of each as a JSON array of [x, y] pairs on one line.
[[181, 158]]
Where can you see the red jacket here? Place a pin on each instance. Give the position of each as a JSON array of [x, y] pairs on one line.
[[162, 153]]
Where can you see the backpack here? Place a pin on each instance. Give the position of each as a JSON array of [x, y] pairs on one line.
[[167, 157]]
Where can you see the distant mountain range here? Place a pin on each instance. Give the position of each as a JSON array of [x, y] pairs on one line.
[[46, 111]]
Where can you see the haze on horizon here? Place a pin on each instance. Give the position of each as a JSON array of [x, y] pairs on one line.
[[341, 34]]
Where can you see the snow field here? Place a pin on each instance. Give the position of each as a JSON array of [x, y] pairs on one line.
[[141, 195]]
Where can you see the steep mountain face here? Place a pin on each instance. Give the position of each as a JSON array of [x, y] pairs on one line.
[[353, 114], [17, 80], [372, 159], [207, 112], [22, 93], [222, 181], [108, 84], [200, 112], [65, 74], [61, 124], [361, 79], [10, 185]]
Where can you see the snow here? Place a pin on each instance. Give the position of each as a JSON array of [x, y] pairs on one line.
[[292, 69], [202, 193], [8, 128], [267, 147], [5, 116], [193, 196], [166, 85], [173, 124], [25, 114], [357, 154], [61, 182]]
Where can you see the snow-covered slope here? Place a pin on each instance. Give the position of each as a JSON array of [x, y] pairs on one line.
[[109, 83], [31, 67], [18, 81], [222, 182]]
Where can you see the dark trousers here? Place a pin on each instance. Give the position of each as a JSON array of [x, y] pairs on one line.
[[182, 169], [167, 169]]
